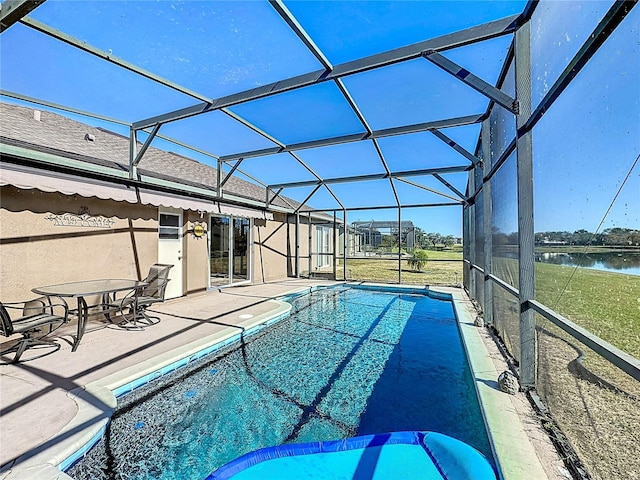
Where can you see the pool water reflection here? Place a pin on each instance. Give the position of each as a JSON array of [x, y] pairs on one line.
[[347, 362]]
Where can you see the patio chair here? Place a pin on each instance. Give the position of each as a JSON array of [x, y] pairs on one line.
[[133, 306], [35, 320]]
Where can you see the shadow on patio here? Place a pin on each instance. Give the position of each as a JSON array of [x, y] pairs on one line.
[[36, 403]]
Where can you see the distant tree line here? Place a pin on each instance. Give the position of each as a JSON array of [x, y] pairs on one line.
[[432, 239], [613, 237], [618, 237]]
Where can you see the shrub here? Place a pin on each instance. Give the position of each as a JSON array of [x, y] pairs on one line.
[[418, 259]]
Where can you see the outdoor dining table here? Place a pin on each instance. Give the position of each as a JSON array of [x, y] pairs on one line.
[[86, 288]]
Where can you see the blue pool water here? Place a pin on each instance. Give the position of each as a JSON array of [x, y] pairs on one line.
[[346, 363]]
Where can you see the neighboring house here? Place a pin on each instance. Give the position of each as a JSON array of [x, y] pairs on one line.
[[69, 212], [371, 237]]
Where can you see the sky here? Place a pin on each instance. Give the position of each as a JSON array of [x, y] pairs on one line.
[[220, 48]]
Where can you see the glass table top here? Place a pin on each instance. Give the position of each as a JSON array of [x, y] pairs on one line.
[[89, 287]]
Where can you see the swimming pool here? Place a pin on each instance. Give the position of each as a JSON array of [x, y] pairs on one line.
[[347, 362]]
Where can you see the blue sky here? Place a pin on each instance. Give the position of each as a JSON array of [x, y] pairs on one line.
[[219, 48]]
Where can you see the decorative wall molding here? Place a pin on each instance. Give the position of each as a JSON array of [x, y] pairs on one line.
[[80, 220]]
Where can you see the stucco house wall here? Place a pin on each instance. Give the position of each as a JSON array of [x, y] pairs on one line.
[[48, 238], [54, 229], [195, 268], [275, 248]]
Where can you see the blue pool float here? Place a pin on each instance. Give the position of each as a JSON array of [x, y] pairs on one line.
[[398, 455]]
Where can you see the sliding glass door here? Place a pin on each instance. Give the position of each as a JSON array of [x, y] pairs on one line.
[[220, 248], [229, 258], [240, 270], [323, 246]]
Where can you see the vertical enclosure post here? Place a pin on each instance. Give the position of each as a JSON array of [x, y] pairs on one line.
[[472, 235], [310, 244], [399, 245], [488, 222], [133, 153], [465, 244], [335, 245], [297, 260], [525, 208], [345, 245]]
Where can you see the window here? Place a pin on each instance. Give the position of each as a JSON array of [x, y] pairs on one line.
[[169, 226]]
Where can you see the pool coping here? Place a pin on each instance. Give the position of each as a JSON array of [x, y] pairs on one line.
[[97, 400], [513, 452]]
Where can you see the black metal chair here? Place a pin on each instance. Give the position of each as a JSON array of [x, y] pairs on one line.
[[133, 306], [35, 320]]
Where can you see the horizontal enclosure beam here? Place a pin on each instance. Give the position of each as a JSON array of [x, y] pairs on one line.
[[384, 259], [84, 113], [11, 11], [473, 266], [84, 46], [506, 286], [63, 108], [474, 82], [166, 187], [620, 359], [458, 148], [449, 41], [436, 124], [356, 137], [445, 42], [295, 26], [432, 190], [373, 176], [383, 207], [450, 187]]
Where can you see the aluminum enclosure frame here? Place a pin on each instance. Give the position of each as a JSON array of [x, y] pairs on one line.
[[480, 172], [522, 146], [468, 36]]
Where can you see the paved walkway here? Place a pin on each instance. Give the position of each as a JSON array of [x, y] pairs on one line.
[[33, 395]]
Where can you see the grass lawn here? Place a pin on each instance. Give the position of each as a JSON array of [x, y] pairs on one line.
[[605, 303], [603, 426], [442, 268], [454, 254]]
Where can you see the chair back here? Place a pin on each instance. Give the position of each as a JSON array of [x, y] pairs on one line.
[[6, 326], [157, 279], [35, 306]]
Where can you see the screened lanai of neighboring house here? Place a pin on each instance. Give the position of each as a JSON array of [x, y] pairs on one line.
[[512, 125]]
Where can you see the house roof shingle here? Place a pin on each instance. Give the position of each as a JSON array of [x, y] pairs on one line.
[[65, 137]]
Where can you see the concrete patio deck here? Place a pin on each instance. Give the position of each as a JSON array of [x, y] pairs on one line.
[[34, 395], [37, 403]]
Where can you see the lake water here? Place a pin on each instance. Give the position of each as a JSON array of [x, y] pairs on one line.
[[623, 262]]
